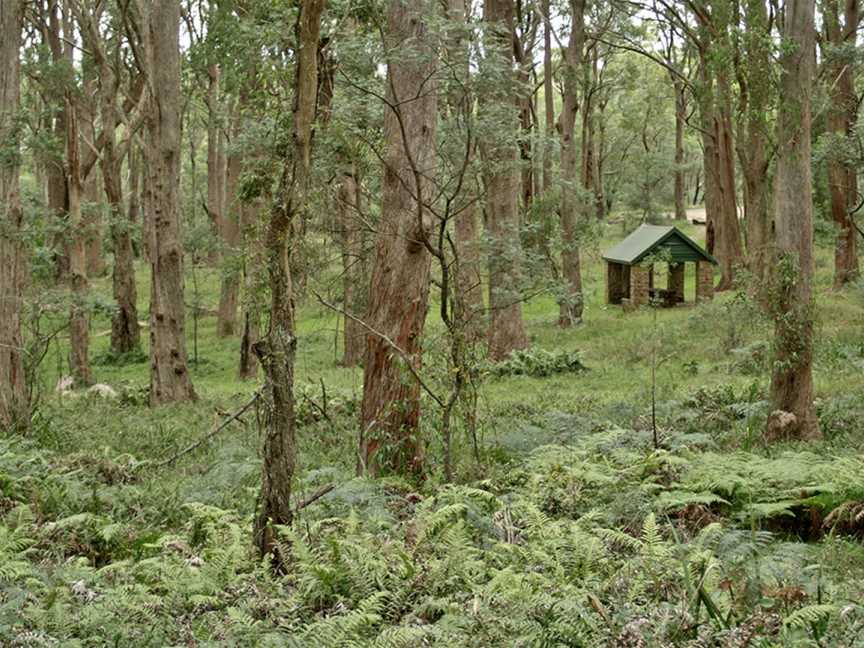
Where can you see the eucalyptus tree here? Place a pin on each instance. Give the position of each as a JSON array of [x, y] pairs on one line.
[[499, 99], [792, 304], [756, 98], [399, 293], [572, 199], [276, 350], [14, 406], [153, 29], [841, 20]]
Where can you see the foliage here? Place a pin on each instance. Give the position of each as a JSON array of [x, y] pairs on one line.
[[537, 363]]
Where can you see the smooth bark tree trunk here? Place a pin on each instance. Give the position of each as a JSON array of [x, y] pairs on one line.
[[169, 372], [501, 177], [466, 266], [572, 302], [276, 350], [680, 124], [355, 278], [251, 311], [715, 109], [95, 257], [79, 317], [755, 92], [842, 118], [548, 97], [125, 331], [14, 396], [216, 166], [58, 36], [794, 414], [399, 290], [91, 194], [229, 293]]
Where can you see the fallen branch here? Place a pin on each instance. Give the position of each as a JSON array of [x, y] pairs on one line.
[[207, 437], [314, 497]]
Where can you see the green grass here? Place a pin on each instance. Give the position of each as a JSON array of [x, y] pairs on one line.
[[567, 456]]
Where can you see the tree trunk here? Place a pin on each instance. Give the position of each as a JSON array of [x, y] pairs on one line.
[[727, 231], [355, 279], [58, 36], [14, 405], [680, 124], [276, 351], [251, 318], [226, 324], [216, 170], [79, 320], [501, 177], [794, 414], [399, 293], [92, 198], [715, 109], [467, 266], [755, 93], [548, 97], [125, 332], [842, 117], [169, 374], [572, 303]]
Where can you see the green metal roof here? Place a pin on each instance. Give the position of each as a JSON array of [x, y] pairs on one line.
[[660, 239]]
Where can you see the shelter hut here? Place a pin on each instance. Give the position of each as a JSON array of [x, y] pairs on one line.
[[630, 277]]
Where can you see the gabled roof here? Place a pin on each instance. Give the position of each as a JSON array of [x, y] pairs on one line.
[[647, 239]]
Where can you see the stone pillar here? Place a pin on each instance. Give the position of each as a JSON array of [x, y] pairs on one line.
[[676, 281], [639, 285], [704, 281]]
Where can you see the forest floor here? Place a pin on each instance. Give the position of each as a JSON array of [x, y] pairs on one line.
[[571, 530]]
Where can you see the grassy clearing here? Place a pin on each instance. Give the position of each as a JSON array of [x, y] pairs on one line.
[[573, 531]]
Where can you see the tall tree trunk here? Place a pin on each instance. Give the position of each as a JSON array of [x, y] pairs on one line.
[[842, 117], [506, 329], [727, 232], [252, 260], [572, 303], [399, 292], [216, 167], [548, 96], [755, 99], [229, 294], [715, 110], [58, 36], [79, 319], [95, 257], [680, 124], [467, 267], [276, 350], [792, 375], [355, 279], [91, 194], [600, 157], [14, 406], [169, 373], [125, 331]]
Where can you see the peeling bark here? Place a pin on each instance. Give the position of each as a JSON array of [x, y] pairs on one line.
[[792, 303], [399, 290], [14, 405]]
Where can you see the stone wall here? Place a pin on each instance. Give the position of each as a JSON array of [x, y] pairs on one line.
[[639, 285], [704, 281]]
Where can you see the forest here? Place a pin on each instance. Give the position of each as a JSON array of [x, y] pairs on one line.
[[398, 323]]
